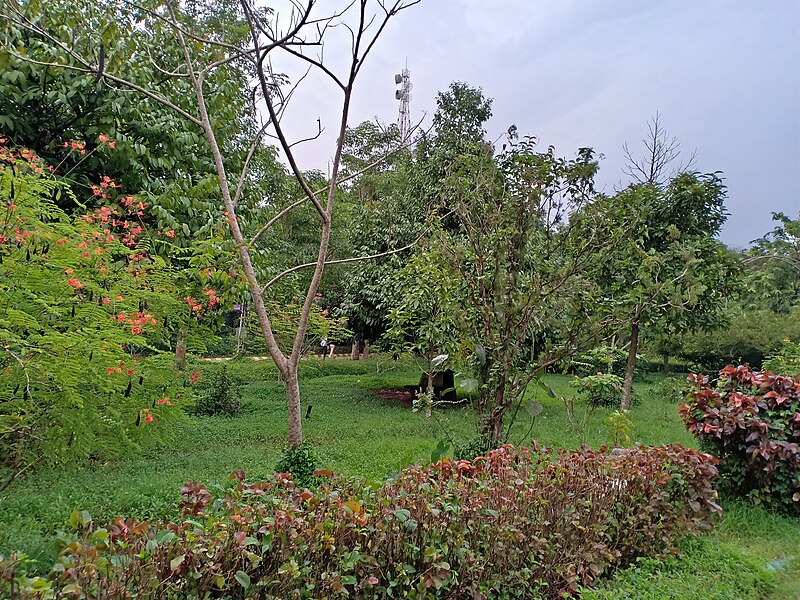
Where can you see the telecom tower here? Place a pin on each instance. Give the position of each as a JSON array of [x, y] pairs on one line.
[[403, 79]]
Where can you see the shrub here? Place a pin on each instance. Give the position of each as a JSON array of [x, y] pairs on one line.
[[672, 389], [300, 462], [600, 359], [511, 524], [220, 394], [786, 361], [600, 390], [472, 448], [751, 420]]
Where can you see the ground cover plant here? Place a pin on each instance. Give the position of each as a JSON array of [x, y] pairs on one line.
[[513, 523]]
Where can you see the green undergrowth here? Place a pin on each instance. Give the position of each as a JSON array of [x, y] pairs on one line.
[[353, 431]]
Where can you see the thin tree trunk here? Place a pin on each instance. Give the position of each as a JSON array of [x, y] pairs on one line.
[[180, 352], [365, 354], [354, 351], [295, 436], [666, 363], [627, 386], [493, 428]]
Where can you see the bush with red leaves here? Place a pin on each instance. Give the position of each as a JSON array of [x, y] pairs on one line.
[[515, 523], [751, 420]]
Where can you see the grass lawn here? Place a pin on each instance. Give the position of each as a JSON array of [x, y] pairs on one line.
[[358, 433]]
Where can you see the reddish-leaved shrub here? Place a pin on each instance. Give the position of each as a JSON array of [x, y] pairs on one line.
[[515, 523], [751, 421]]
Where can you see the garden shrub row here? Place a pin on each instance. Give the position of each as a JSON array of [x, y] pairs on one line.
[[751, 421], [515, 523]]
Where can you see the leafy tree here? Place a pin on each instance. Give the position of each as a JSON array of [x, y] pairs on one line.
[[665, 272], [45, 108], [774, 261], [87, 313], [197, 52], [386, 216], [508, 275]]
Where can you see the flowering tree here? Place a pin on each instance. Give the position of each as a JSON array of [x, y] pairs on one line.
[[190, 52], [87, 312]]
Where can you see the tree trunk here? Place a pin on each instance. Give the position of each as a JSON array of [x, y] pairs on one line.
[[666, 363], [493, 428], [365, 354], [354, 351], [627, 386], [180, 352], [295, 436]]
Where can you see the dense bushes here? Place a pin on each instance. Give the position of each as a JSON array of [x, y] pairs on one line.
[[751, 420], [512, 524]]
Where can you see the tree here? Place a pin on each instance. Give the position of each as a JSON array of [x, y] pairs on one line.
[[43, 108], [385, 214], [669, 274], [666, 272], [768, 310], [193, 53], [774, 261], [511, 265], [87, 313]]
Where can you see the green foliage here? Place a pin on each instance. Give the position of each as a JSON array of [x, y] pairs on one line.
[[601, 359], [602, 389], [786, 361], [82, 325], [301, 462], [470, 449], [386, 215], [672, 389], [157, 153], [751, 420], [433, 532], [219, 394], [774, 261], [750, 337], [620, 428], [426, 319]]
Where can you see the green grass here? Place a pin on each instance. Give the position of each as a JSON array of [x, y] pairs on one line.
[[357, 433], [752, 554]]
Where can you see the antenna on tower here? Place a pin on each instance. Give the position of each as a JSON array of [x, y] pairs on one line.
[[403, 79]]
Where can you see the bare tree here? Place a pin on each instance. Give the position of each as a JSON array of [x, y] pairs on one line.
[[661, 151], [301, 37]]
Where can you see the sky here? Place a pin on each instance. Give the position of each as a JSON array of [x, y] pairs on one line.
[[723, 74]]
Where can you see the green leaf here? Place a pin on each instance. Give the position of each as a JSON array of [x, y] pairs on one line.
[[533, 407], [243, 579], [469, 385], [176, 562], [548, 390], [440, 450]]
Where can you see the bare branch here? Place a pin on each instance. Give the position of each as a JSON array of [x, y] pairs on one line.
[[340, 261], [661, 151], [300, 201]]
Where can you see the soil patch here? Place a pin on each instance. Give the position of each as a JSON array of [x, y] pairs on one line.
[[403, 395]]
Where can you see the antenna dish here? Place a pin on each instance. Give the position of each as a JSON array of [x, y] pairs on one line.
[[403, 79]]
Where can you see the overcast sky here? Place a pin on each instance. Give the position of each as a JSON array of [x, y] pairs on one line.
[[724, 75]]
